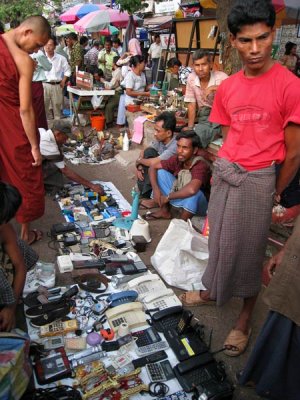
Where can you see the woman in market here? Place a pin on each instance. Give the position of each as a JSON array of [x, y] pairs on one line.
[[135, 81], [134, 49]]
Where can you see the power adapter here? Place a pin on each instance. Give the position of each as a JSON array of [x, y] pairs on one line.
[[64, 264]]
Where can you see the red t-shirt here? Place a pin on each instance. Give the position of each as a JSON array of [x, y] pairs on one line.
[[198, 171], [257, 110]]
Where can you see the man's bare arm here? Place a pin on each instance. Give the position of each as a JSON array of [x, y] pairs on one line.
[[69, 173], [191, 114], [153, 179], [291, 163]]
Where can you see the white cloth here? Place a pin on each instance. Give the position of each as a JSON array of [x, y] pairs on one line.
[[155, 50], [60, 68], [49, 147], [136, 83]]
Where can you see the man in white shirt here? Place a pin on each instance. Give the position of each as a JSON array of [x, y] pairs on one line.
[[54, 167], [56, 79], [154, 56]]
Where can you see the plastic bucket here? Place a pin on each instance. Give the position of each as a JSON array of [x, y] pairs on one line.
[[98, 122]]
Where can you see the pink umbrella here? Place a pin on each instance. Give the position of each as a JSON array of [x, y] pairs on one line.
[[74, 13], [98, 20]]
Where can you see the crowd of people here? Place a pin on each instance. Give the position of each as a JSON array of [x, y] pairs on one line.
[[256, 111]]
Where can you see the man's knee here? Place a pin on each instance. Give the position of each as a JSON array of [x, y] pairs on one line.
[[150, 152]]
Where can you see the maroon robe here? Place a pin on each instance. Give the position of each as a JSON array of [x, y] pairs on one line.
[[15, 150]]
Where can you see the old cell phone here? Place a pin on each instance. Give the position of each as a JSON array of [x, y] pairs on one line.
[[53, 342], [57, 328], [184, 321]]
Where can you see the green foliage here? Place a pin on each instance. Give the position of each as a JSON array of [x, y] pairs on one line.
[[15, 11], [132, 6]]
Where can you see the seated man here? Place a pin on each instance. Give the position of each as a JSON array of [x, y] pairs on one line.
[[163, 147], [53, 164], [12, 265], [115, 84], [173, 76], [178, 180], [202, 85]]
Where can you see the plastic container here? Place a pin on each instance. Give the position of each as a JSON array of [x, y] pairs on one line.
[[125, 142], [98, 122]]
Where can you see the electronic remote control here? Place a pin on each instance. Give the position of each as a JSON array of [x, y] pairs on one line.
[[151, 358]]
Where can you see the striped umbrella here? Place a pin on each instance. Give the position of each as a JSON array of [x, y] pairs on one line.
[[74, 13]]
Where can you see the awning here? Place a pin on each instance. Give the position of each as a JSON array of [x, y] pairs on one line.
[[155, 21]]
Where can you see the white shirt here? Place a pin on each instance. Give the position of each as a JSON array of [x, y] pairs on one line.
[[136, 83], [60, 68], [43, 65], [49, 147], [155, 50]]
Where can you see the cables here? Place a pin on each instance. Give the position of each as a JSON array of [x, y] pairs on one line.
[[158, 389], [62, 392]]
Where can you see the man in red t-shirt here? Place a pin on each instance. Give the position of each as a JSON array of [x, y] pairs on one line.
[[185, 192], [259, 110]]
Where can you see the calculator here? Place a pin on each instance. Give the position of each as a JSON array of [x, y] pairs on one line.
[[146, 337], [160, 371], [148, 341]]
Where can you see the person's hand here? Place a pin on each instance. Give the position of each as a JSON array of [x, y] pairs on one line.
[[147, 94], [187, 128], [7, 318], [98, 189], [274, 262], [139, 173], [35, 64], [163, 200], [156, 196], [36, 154], [62, 84]]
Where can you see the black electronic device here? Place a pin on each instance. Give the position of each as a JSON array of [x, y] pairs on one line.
[[184, 321], [160, 371], [214, 390], [136, 268], [167, 318], [70, 240], [100, 264], [186, 345], [112, 269], [202, 371], [58, 229], [88, 205], [151, 358]]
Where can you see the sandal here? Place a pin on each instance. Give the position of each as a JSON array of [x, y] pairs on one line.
[[237, 341], [194, 303], [147, 204], [152, 216], [36, 236]]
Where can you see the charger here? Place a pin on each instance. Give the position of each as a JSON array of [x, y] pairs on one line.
[[64, 263]]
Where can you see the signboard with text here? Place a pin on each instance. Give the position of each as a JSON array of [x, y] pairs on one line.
[[164, 41], [166, 6]]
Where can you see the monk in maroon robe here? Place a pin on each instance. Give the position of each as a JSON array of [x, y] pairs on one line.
[[20, 158]]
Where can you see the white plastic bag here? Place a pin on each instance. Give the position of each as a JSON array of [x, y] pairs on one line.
[[181, 256], [96, 101]]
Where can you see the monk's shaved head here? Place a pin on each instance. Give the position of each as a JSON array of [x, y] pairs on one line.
[[38, 24]]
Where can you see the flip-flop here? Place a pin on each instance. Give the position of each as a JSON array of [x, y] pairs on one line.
[[37, 236], [238, 341], [195, 303], [144, 206], [150, 216]]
